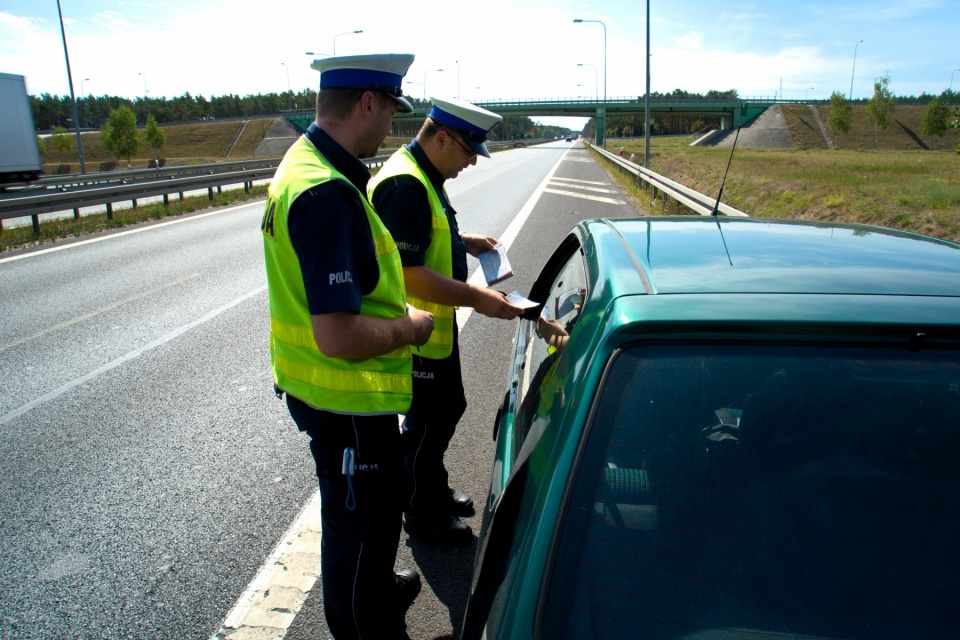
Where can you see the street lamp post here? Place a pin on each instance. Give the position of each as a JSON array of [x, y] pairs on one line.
[[409, 82], [646, 101], [345, 33], [73, 100], [951, 80], [854, 69], [806, 92], [86, 107], [601, 131], [289, 94], [145, 100], [425, 82]]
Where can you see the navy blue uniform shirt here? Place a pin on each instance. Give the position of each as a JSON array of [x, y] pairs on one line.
[[402, 204], [331, 235]]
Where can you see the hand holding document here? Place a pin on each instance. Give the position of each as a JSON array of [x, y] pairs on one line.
[[496, 266], [517, 299]]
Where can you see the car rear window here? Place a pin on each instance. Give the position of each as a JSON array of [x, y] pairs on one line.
[[754, 491]]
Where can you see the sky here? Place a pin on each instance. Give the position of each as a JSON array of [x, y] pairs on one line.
[[487, 49]]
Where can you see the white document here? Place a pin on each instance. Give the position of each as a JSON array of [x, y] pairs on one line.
[[517, 299], [496, 266]]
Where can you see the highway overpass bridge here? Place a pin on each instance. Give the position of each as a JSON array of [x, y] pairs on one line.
[[732, 112]]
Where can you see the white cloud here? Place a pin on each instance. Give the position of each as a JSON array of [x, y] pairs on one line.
[[690, 41], [114, 22], [509, 49]]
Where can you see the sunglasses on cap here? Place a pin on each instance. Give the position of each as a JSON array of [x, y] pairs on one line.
[[387, 89]]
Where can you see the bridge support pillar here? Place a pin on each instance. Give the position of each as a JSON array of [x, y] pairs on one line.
[[738, 118], [726, 122], [601, 126]]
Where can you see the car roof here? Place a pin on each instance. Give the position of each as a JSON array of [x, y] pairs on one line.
[[703, 255]]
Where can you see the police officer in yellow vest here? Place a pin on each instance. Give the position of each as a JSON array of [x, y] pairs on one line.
[[409, 196], [340, 338]]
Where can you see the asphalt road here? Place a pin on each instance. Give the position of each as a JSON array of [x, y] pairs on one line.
[[146, 467]]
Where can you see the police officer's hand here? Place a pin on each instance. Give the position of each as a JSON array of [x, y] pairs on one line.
[[494, 304], [476, 243], [421, 324]]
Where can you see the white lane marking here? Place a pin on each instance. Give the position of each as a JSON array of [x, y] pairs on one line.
[[96, 312], [581, 189], [573, 194], [111, 236], [246, 614], [277, 593], [56, 393], [576, 182]]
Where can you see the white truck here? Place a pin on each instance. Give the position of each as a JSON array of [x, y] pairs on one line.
[[19, 154]]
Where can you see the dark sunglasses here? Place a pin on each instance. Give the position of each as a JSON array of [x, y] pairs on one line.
[[470, 152]]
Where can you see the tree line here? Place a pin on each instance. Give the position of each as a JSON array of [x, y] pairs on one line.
[[51, 112]]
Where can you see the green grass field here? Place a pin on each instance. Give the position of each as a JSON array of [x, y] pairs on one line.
[[904, 185]]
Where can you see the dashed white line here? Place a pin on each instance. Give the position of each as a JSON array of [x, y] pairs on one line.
[[575, 182], [582, 196], [96, 312], [76, 382], [111, 236]]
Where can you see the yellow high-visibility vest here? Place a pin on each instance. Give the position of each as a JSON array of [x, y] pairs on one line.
[[439, 256], [371, 386]]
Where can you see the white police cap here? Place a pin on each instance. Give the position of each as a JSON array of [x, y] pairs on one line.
[[469, 120], [379, 72]]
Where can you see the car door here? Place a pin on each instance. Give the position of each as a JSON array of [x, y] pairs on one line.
[[560, 289]]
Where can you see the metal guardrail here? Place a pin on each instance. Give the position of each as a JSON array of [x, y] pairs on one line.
[[91, 195], [65, 180], [94, 190], [53, 194], [58, 193], [693, 200]]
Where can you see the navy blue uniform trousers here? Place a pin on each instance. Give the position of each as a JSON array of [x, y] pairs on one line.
[[438, 404], [360, 520]]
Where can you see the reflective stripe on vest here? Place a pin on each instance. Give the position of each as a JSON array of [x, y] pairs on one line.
[[379, 385], [439, 256]]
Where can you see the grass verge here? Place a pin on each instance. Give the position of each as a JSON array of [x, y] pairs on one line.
[[917, 191]]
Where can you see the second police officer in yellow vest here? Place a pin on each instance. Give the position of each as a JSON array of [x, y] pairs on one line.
[[408, 193]]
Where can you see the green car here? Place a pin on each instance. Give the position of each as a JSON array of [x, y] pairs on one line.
[[729, 428]]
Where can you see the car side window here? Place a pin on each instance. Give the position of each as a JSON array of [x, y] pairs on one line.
[[546, 339]]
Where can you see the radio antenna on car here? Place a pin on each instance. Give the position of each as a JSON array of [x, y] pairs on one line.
[[716, 205]]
